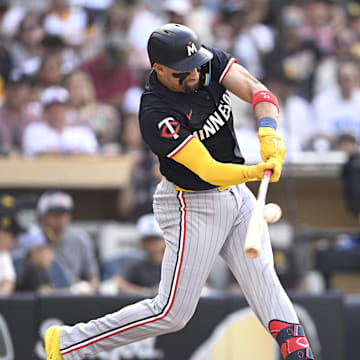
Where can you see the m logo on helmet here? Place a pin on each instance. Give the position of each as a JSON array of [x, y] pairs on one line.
[[191, 48]]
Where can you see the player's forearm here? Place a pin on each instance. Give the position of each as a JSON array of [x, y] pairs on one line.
[[224, 174], [240, 82], [196, 158], [266, 109]]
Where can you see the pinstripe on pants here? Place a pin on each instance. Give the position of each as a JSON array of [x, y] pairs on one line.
[[197, 227]]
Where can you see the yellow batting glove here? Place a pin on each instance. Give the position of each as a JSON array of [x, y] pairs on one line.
[[276, 170], [271, 145], [256, 172]]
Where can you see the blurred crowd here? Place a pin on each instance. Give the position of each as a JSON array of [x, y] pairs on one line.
[[52, 255], [71, 77], [72, 71]]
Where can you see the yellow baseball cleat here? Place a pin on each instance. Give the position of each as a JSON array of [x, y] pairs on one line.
[[52, 343]]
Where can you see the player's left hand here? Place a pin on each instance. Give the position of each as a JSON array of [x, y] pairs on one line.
[[271, 145], [276, 169], [256, 172]]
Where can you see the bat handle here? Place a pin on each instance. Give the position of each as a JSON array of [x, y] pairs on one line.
[[264, 185], [267, 174]]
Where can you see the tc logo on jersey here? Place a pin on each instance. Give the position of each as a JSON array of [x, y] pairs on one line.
[[191, 48], [170, 128]]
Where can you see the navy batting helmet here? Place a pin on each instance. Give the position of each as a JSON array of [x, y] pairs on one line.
[[177, 47]]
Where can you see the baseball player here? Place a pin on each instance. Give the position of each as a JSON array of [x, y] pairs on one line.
[[202, 203]]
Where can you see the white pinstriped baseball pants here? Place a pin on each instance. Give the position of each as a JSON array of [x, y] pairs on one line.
[[197, 227]]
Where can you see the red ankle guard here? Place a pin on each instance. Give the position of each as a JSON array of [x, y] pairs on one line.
[[292, 340]]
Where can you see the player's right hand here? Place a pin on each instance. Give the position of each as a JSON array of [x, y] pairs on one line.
[[256, 172], [276, 170], [271, 145]]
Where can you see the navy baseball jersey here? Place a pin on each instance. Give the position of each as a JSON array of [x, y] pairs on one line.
[[169, 120]]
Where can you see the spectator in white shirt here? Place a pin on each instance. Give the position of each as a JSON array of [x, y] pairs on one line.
[[56, 135], [253, 40], [337, 108], [66, 21], [8, 230], [147, 21]]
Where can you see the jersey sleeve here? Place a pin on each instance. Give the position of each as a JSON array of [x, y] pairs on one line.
[[221, 64], [163, 132]]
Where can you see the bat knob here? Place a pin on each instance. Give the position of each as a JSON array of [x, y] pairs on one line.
[[252, 253]]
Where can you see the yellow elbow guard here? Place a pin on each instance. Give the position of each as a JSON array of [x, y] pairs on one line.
[[196, 158]]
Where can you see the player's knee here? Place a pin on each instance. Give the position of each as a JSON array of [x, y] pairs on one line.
[[183, 322], [177, 325], [268, 270], [175, 321], [178, 316]]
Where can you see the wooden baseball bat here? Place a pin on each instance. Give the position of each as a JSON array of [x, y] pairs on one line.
[[254, 232]]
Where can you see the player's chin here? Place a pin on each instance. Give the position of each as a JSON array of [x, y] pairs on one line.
[[191, 86]]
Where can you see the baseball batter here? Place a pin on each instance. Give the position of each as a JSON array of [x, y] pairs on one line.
[[202, 204]]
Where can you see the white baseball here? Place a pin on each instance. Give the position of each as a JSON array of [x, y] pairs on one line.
[[272, 213]]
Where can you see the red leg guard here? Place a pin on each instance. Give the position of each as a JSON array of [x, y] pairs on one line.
[[292, 340]]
